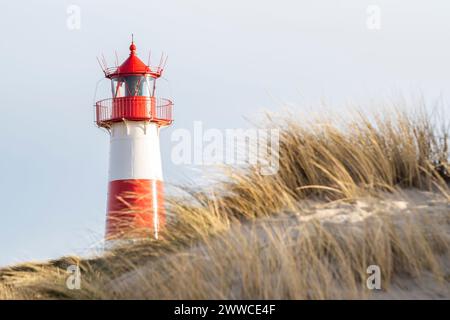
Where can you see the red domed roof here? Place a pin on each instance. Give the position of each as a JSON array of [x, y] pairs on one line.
[[133, 65]]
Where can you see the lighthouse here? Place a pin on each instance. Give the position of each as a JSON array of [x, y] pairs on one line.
[[134, 116]]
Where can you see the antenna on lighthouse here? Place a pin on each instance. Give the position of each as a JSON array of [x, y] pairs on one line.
[[164, 63], [161, 60], [101, 66], [104, 62]]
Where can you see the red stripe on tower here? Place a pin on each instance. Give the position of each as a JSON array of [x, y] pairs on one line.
[[134, 117], [134, 207]]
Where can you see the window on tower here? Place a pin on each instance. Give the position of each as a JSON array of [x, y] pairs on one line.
[[132, 86], [117, 87]]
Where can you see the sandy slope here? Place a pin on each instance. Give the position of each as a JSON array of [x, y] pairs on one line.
[[347, 217]]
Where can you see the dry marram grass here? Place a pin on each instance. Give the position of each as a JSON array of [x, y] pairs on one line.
[[342, 200]]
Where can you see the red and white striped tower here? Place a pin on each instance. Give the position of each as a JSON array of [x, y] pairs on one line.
[[134, 117]]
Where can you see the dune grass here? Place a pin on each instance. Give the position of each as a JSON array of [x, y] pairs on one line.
[[245, 238]]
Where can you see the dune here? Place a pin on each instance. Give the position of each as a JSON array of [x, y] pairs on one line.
[[232, 254]]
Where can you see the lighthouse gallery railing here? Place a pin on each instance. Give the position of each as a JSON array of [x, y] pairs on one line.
[[133, 108]]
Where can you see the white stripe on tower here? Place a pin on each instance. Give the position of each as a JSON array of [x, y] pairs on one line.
[[135, 151]]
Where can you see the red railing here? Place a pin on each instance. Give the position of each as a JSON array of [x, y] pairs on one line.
[[138, 108]]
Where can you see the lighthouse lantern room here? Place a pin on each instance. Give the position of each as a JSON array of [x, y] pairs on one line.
[[133, 116]]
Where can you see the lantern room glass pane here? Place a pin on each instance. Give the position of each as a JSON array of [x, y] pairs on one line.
[[132, 86], [148, 88], [137, 86], [117, 87]]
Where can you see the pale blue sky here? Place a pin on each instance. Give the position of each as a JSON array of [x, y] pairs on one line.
[[227, 60]]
